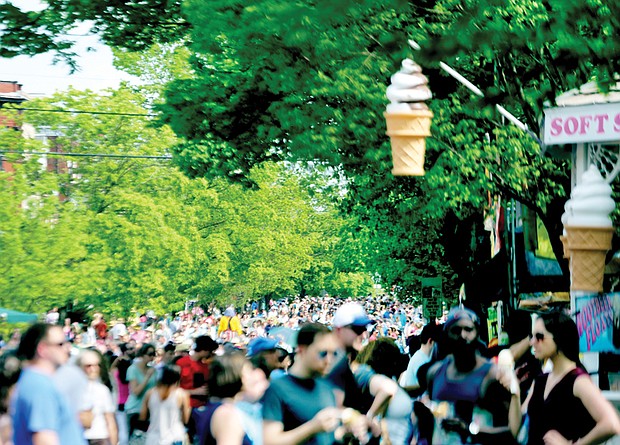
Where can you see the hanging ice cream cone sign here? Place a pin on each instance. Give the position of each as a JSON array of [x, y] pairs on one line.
[[588, 231], [408, 119]]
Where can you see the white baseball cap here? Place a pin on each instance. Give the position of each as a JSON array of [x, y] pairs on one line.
[[351, 314]]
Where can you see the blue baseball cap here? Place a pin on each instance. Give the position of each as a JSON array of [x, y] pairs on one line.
[[261, 344], [229, 312]]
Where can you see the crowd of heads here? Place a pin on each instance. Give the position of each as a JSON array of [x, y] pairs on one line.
[[312, 332], [168, 337]]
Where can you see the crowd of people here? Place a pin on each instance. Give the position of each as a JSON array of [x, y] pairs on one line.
[[306, 371]]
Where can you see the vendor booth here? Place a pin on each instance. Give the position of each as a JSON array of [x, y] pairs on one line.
[[585, 127]]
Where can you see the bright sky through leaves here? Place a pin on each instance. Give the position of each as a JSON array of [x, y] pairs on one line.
[[39, 76]]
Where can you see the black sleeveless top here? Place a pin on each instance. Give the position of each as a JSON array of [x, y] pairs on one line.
[[202, 416], [561, 411]]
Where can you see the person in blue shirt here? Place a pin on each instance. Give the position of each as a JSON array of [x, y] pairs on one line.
[[301, 407], [41, 414]]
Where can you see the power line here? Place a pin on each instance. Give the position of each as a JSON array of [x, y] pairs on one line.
[[87, 155], [22, 75], [107, 113]]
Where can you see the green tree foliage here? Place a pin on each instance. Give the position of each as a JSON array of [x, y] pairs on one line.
[[41, 237], [134, 233], [305, 81], [131, 25], [155, 67]]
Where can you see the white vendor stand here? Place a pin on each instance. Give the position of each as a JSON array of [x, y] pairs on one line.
[[588, 122]]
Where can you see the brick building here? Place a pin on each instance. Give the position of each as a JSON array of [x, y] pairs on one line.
[[11, 93]]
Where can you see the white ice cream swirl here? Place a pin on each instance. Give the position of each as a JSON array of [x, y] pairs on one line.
[[409, 88], [591, 203]]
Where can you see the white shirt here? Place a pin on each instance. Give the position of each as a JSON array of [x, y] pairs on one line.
[[166, 425], [100, 399]]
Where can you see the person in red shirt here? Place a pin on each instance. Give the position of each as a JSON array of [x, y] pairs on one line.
[[195, 370], [100, 326], [194, 374]]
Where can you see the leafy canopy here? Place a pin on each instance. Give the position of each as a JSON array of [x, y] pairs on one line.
[[305, 81], [127, 234]]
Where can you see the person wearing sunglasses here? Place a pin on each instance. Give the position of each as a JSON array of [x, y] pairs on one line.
[[102, 429], [469, 402], [565, 406], [141, 376], [351, 324], [301, 407], [40, 412]]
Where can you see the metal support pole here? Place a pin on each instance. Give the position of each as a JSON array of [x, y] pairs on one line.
[[474, 89]]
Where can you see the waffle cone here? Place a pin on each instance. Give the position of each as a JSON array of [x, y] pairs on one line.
[[588, 247], [566, 251], [587, 269], [408, 132], [589, 238]]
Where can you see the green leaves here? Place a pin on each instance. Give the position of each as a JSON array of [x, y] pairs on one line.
[[316, 82], [304, 82], [135, 233]]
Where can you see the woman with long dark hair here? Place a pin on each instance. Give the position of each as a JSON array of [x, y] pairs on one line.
[[167, 408], [564, 406], [384, 358], [119, 368]]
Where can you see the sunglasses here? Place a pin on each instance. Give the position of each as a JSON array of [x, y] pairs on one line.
[[457, 330], [539, 336], [359, 330], [151, 354], [323, 354]]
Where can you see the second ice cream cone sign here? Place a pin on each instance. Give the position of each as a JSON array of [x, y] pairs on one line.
[[408, 119], [588, 231]]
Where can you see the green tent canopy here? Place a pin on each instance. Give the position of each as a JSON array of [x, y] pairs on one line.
[[11, 316]]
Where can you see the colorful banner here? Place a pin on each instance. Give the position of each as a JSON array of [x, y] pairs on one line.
[[598, 322]]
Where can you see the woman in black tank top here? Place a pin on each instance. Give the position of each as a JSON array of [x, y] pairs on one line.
[[564, 406]]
